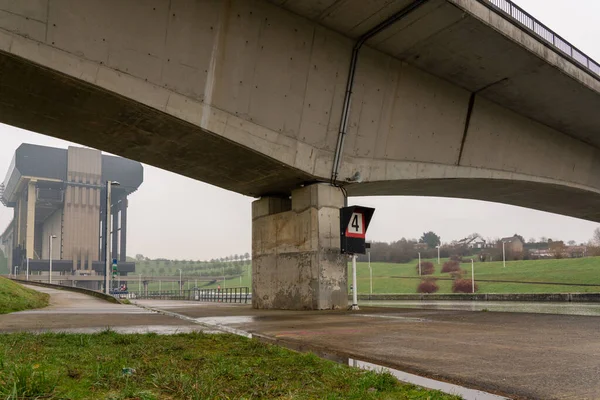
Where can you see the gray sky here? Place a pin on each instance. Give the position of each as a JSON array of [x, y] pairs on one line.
[[164, 213]]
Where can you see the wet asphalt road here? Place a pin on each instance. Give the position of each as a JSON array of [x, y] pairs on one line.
[[518, 355]]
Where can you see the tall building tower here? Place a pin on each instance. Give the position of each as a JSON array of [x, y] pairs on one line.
[[59, 196]]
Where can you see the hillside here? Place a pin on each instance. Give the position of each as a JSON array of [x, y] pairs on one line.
[[15, 297], [542, 276]]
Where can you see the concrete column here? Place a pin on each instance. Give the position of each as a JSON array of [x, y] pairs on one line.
[[123, 254], [30, 234], [296, 260]]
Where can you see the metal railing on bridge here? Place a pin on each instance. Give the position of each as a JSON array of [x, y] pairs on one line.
[[223, 295], [545, 34]]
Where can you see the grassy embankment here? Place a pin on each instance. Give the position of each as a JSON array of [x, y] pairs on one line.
[[184, 366], [15, 297], [391, 278]]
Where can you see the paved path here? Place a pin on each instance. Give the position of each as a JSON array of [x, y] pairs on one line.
[[518, 355], [76, 312]]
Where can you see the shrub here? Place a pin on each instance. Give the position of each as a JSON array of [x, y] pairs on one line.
[[428, 286], [457, 274], [427, 268], [451, 266], [456, 257], [463, 286]]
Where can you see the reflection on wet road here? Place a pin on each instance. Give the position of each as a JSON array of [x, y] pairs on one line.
[[589, 309]]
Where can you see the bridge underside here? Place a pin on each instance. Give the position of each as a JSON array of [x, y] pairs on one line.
[[454, 100], [43, 100]]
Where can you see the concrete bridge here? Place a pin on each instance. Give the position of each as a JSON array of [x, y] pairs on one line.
[[278, 99]]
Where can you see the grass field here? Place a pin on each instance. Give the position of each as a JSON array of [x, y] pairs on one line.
[[14, 297], [184, 366], [391, 278]]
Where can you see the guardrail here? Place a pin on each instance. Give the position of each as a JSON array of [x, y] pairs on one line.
[[223, 295], [541, 31]]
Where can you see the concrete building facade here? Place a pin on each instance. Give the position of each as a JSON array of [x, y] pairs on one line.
[[61, 194]]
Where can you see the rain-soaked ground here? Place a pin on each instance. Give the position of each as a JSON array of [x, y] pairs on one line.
[[526, 354], [562, 308], [543, 351]]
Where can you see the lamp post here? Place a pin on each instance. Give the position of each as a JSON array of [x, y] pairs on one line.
[[139, 284], [109, 185], [472, 276], [223, 276], [419, 263], [370, 270], [180, 287], [50, 250], [27, 275], [438, 247], [503, 255]]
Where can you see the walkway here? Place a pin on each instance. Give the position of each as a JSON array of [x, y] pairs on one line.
[[519, 355], [76, 312]]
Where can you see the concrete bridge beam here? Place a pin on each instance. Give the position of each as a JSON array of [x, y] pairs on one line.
[[296, 260]]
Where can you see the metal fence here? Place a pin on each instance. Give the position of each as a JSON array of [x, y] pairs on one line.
[[548, 36], [223, 295]]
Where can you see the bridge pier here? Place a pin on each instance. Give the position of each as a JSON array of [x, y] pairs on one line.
[[296, 260]]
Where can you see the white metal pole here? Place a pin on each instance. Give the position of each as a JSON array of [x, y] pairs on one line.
[[354, 283], [140, 283], [472, 275], [223, 276], [27, 276], [107, 236], [50, 275], [419, 264], [370, 271], [503, 256], [159, 286], [438, 255]]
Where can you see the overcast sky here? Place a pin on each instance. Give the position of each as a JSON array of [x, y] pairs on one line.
[[175, 217]]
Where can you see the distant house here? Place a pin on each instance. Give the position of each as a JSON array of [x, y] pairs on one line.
[[473, 242], [576, 251], [513, 244]]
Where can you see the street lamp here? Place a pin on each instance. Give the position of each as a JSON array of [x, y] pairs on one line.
[[223, 276], [139, 284], [370, 270], [179, 278], [419, 263], [503, 255], [438, 247], [50, 250], [109, 185], [472, 276]]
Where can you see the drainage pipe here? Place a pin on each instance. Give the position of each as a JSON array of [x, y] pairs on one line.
[[350, 82]]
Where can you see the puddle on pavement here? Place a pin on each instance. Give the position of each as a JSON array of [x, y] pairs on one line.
[[467, 394], [585, 309], [236, 319]]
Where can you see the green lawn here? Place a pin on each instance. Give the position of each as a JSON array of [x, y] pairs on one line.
[[388, 278], [185, 366], [15, 297]]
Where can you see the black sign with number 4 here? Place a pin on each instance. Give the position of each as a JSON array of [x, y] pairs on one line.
[[354, 222]]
